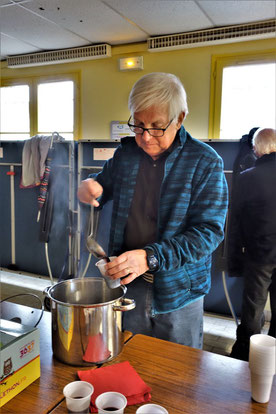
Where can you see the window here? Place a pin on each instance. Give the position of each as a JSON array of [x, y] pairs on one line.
[[14, 114], [55, 108], [242, 95], [41, 106]]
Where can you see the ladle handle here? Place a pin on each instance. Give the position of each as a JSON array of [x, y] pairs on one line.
[[94, 220]]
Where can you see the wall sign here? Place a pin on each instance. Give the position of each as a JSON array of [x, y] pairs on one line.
[[102, 154], [119, 129]]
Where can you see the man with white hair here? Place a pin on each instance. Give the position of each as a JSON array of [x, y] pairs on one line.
[[252, 239], [169, 205]]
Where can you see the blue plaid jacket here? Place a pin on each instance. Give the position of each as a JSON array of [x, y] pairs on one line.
[[192, 210]]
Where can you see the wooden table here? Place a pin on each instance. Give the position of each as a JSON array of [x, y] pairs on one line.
[[183, 380]]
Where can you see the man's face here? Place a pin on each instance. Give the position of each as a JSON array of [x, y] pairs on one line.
[[155, 117]]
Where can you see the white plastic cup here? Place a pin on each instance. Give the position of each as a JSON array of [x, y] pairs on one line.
[[112, 284], [262, 354], [78, 395], [262, 361], [111, 402], [261, 386], [151, 409]]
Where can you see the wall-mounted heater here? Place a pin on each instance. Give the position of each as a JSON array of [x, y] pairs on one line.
[[60, 56], [207, 37]]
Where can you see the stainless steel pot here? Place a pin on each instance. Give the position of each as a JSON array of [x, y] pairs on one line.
[[87, 320]]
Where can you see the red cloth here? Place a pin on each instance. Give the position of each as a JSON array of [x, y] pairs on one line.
[[120, 377]]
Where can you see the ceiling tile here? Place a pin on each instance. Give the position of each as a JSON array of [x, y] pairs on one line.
[[238, 11], [4, 2], [22, 1], [158, 17], [19, 23], [11, 2], [10, 46], [92, 20]]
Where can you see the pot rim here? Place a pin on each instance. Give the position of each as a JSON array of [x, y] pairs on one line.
[[48, 291]]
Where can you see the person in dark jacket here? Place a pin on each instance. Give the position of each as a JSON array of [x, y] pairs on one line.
[[252, 239], [169, 205]]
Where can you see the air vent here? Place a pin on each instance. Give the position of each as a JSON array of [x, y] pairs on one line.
[[60, 56], [228, 34]]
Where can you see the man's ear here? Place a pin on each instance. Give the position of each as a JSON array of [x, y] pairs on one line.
[[180, 119]]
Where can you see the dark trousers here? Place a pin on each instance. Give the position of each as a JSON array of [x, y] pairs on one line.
[[259, 281]]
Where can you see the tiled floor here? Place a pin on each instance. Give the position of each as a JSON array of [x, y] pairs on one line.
[[220, 333]]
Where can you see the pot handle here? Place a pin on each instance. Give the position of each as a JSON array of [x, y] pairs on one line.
[[46, 292], [129, 304]]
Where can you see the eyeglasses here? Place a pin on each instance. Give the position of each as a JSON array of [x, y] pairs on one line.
[[154, 132]]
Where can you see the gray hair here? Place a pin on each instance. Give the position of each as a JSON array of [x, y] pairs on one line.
[[157, 89], [264, 141]]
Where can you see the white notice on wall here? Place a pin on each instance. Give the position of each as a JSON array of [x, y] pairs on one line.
[[102, 154], [119, 129]]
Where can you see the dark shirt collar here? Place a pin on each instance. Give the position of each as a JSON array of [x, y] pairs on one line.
[[266, 158]]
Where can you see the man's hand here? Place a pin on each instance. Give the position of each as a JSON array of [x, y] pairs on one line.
[[128, 265], [89, 190]]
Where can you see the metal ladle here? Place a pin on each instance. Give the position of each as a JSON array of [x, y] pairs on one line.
[[92, 245], [96, 249]]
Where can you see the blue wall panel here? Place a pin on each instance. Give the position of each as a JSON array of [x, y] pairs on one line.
[[5, 217], [29, 250]]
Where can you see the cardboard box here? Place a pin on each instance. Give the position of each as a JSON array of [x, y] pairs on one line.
[[19, 358]]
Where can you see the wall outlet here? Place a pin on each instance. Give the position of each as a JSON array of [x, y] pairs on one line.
[[1, 152]]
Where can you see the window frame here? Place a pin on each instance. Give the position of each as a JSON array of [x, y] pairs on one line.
[[219, 62], [33, 83]]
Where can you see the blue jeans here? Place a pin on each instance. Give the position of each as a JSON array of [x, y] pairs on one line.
[[183, 326]]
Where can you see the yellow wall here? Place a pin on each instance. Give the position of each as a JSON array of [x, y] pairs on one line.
[[104, 89]]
